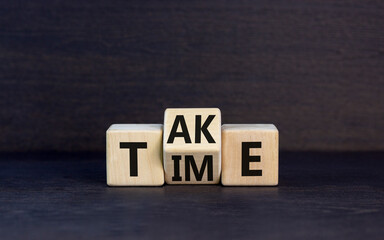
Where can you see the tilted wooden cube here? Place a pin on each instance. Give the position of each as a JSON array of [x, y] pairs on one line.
[[192, 145], [134, 155], [250, 155]]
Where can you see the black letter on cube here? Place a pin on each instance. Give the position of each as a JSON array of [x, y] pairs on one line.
[[184, 130], [203, 129], [133, 146], [190, 161], [246, 159], [176, 168]]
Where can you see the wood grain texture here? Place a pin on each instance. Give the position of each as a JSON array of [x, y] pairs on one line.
[[140, 163], [320, 196], [198, 159], [69, 69], [266, 150]]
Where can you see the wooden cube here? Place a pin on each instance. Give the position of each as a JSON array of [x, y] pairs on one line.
[[134, 155], [250, 155], [192, 145]]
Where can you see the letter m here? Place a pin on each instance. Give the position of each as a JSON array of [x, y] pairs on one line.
[[190, 162]]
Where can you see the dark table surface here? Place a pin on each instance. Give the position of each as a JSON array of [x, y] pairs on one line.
[[64, 196]]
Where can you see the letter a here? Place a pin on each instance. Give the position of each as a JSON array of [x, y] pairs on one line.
[[184, 130]]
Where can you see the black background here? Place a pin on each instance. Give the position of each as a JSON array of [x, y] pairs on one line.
[[69, 69]]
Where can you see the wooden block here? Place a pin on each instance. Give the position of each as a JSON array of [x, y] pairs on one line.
[[250, 155], [192, 145], [134, 155]]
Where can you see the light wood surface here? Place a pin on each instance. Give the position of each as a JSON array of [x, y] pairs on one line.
[[264, 145], [203, 151], [149, 158]]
